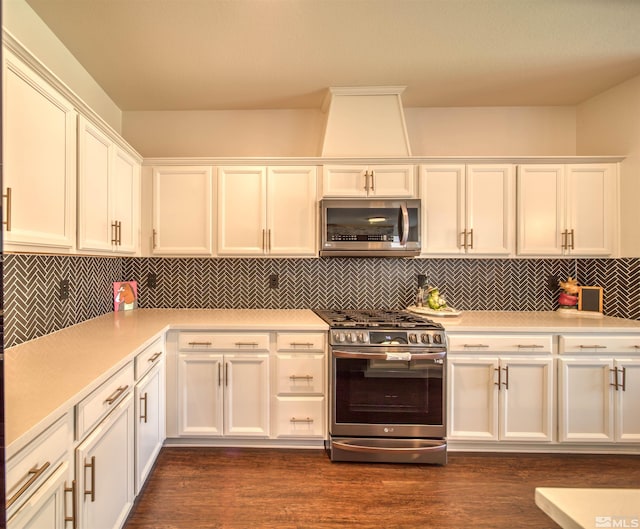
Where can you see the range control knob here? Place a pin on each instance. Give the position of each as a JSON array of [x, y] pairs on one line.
[[437, 338], [339, 337], [360, 337], [425, 338], [413, 338]]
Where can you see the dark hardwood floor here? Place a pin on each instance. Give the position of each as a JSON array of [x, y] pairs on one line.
[[229, 488]]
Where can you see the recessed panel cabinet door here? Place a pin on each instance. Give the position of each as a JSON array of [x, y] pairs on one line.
[[628, 400], [39, 156], [125, 200], [182, 210], [200, 390]]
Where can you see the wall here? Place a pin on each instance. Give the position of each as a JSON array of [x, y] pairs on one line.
[[28, 28], [33, 307], [610, 123]]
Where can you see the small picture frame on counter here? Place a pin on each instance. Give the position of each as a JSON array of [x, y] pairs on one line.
[[590, 299]]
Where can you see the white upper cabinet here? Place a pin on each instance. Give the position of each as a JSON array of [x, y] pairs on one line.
[[108, 193], [182, 210], [39, 143], [467, 209], [371, 181], [567, 209], [267, 211]]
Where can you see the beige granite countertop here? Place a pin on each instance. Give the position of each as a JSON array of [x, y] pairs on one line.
[[590, 508], [46, 376]]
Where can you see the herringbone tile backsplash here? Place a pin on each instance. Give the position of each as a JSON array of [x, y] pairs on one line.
[[33, 306]]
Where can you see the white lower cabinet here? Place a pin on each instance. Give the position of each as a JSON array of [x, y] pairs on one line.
[[223, 394], [505, 397], [105, 469]]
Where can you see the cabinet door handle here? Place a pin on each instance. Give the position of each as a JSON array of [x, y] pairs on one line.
[[463, 239], [32, 476], [154, 235], [373, 180], [116, 395], [572, 244], [74, 505], [563, 245], [615, 378], [499, 383], [92, 466], [471, 237], [624, 378], [307, 420], [155, 357], [143, 415], [308, 378], [506, 377], [366, 180], [7, 222], [114, 232], [226, 373]]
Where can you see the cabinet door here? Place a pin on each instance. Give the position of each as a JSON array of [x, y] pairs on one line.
[[291, 211], [125, 200], [46, 508], [540, 207], [150, 422], [473, 398], [627, 416], [104, 470], [246, 395], [39, 156], [586, 399], [345, 181], [490, 209], [242, 207], [182, 210], [392, 181], [94, 215], [526, 395], [442, 190], [200, 395], [591, 208]]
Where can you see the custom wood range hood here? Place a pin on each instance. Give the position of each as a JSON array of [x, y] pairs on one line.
[[364, 121]]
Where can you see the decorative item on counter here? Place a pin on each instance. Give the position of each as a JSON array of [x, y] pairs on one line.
[[125, 295], [431, 303], [590, 300], [568, 298]]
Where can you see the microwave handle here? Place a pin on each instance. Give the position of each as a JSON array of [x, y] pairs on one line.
[[405, 224]]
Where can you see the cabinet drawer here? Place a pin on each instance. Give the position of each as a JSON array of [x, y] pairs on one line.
[[104, 399], [300, 374], [523, 343], [194, 341], [148, 358], [30, 467], [600, 343], [300, 417], [300, 341]]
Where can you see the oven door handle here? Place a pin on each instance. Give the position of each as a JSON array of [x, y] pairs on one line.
[[383, 356], [352, 447]]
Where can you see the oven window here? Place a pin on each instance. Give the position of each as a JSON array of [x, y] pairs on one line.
[[388, 392]]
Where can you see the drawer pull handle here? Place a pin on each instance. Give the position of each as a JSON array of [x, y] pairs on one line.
[[308, 420], [74, 505], [116, 395], [200, 344], [301, 344], [636, 346], [592, 346], [92, 466], [294, 378], [143, 414], [246, 344], [33, 475], [155, 357], [475, 345], [532, 346]]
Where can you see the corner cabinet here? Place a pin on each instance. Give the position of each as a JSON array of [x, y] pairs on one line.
[[108, 193], [182, 210], [267, 211], [368, 181], [39, 156], [567, 209], [467, 209], [500, 388]]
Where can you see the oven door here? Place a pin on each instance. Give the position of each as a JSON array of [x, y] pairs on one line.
[[374, 394]]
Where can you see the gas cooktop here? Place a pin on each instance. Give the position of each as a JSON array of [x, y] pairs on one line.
[[367, 319]]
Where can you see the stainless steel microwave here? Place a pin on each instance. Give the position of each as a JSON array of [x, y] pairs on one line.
[[370, 227]]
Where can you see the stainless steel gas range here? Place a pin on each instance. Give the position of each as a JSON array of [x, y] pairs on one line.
[[387, 387]]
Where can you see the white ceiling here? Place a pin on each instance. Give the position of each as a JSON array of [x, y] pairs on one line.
[[271, 54]]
